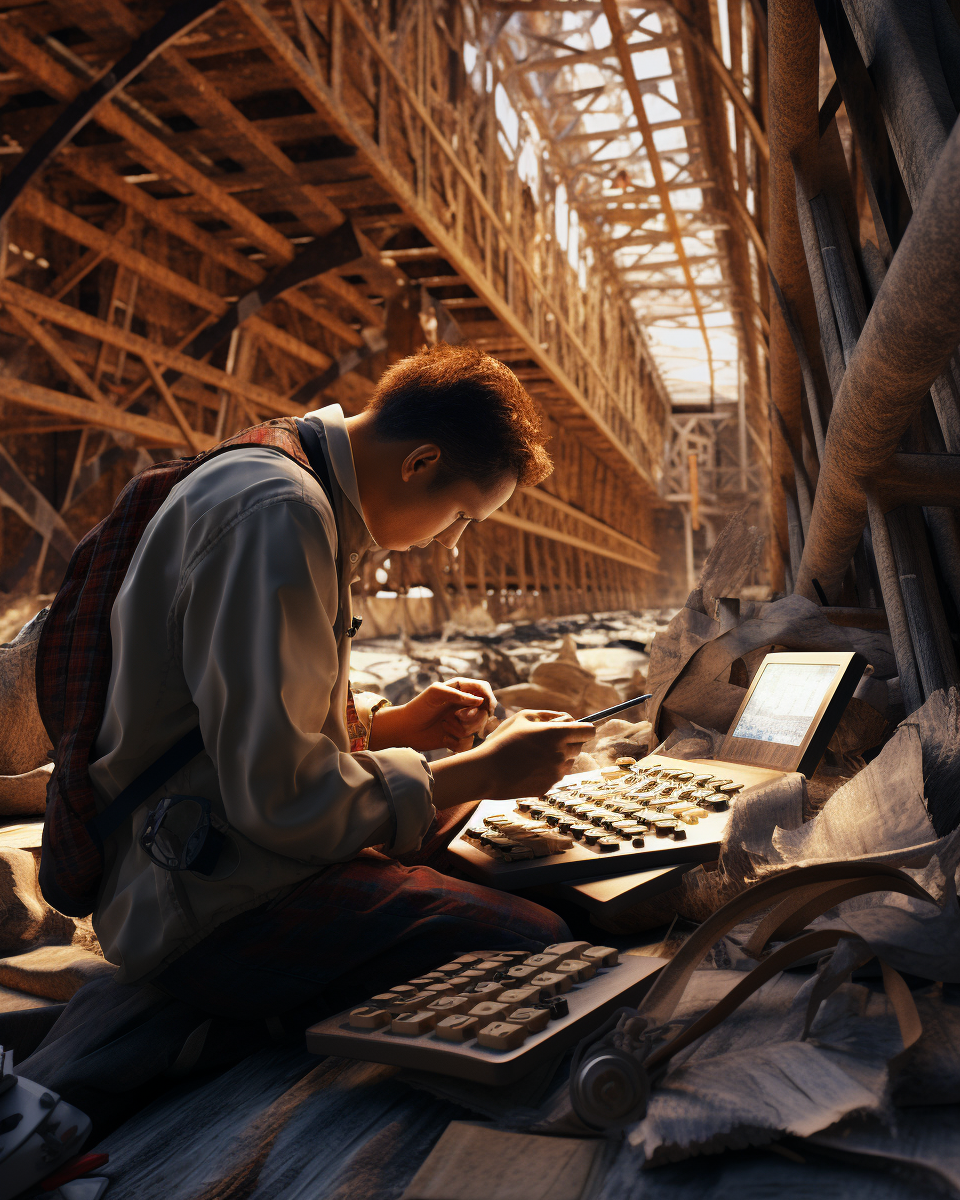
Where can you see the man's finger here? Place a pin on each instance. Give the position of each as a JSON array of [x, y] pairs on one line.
[[444, 694]]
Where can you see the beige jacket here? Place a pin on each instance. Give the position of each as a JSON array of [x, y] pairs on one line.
[[226, 616]]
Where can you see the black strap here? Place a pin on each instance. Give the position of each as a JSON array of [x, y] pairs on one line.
[[312, 444], [145, 784], [191, 744]]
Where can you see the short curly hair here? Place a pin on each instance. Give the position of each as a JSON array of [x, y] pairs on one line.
[[471, 406]]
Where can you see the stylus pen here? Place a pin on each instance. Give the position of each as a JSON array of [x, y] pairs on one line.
[[608, 712], [594, 717]]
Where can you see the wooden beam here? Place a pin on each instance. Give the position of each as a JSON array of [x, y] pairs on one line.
[[55, 348], [555, 535], [15, 46], [196, 441], [317, 92], [31, 395], [33, 508], [619, 39], [635, 548], [81, 322]]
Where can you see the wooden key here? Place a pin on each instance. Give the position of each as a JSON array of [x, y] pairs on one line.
[[397, 1004], [441, 989], [412, 1024], [460, 1028], [532, 1019], [450, 968], [459, 982], [521, 974], [521, 997], [369, 1018], [473, 976], [566, 949], [543, 962], [449, 1006], [422, 999], [487, 1010], [500, 1035], [551, 984], [487, 991], [602, 956], [579, 968], [404, 990]]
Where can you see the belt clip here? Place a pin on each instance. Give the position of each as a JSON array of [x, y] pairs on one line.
[[354, 627]]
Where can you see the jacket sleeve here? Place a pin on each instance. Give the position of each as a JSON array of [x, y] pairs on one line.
[[256, 609]]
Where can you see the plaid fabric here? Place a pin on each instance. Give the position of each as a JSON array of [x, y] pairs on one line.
[[356, 730], [74, 659], [352, 930]]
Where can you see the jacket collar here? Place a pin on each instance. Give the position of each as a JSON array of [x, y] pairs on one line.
[[334, 425]]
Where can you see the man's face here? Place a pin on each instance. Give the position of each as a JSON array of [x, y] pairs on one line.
[[420, 515]]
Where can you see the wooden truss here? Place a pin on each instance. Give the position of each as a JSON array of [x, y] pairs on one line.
[[274, 205]]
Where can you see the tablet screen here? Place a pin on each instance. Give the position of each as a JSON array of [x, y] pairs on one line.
[[785, 701]]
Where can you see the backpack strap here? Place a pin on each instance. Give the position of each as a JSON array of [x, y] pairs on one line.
[[145, 784], [190, 745]]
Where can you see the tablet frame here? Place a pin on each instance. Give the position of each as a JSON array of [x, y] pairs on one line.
[[804, 758]]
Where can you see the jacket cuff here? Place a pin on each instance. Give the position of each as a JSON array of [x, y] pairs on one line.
[[407, 783]]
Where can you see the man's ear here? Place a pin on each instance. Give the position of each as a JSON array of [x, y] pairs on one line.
[[424, 461]]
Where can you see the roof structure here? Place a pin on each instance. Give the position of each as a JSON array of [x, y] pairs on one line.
[[217, 213]]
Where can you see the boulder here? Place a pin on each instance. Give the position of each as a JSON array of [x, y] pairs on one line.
[[24, 744], [25, 795], [54, 972]]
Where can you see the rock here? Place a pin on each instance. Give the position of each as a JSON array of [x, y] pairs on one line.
[[560, 676], [530, 695], [25, 917], [55, 972], [568, 650], [25, 795], [598, 696], [24, 744]]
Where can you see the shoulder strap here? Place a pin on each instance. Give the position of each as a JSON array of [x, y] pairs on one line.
[[145, 784], [191, 744]]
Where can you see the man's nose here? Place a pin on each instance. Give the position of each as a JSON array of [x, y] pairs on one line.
[[450, 537]]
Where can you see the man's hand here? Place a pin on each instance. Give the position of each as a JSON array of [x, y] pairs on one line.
[[443, 716], [525, 756]]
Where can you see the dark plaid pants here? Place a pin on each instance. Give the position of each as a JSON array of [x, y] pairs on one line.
[[352, 930]]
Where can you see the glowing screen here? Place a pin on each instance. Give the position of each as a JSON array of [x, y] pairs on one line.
[[784, 702]]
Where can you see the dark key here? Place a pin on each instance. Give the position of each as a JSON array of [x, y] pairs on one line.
[[579, 831], [592, 836], [608, 844], [565, 824], [679, 834], [524, 805], [637, 842]]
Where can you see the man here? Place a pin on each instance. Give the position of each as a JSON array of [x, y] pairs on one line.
[[231, 609]]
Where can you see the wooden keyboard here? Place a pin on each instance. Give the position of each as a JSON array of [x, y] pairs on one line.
[[617, 821], [490, 1016]]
